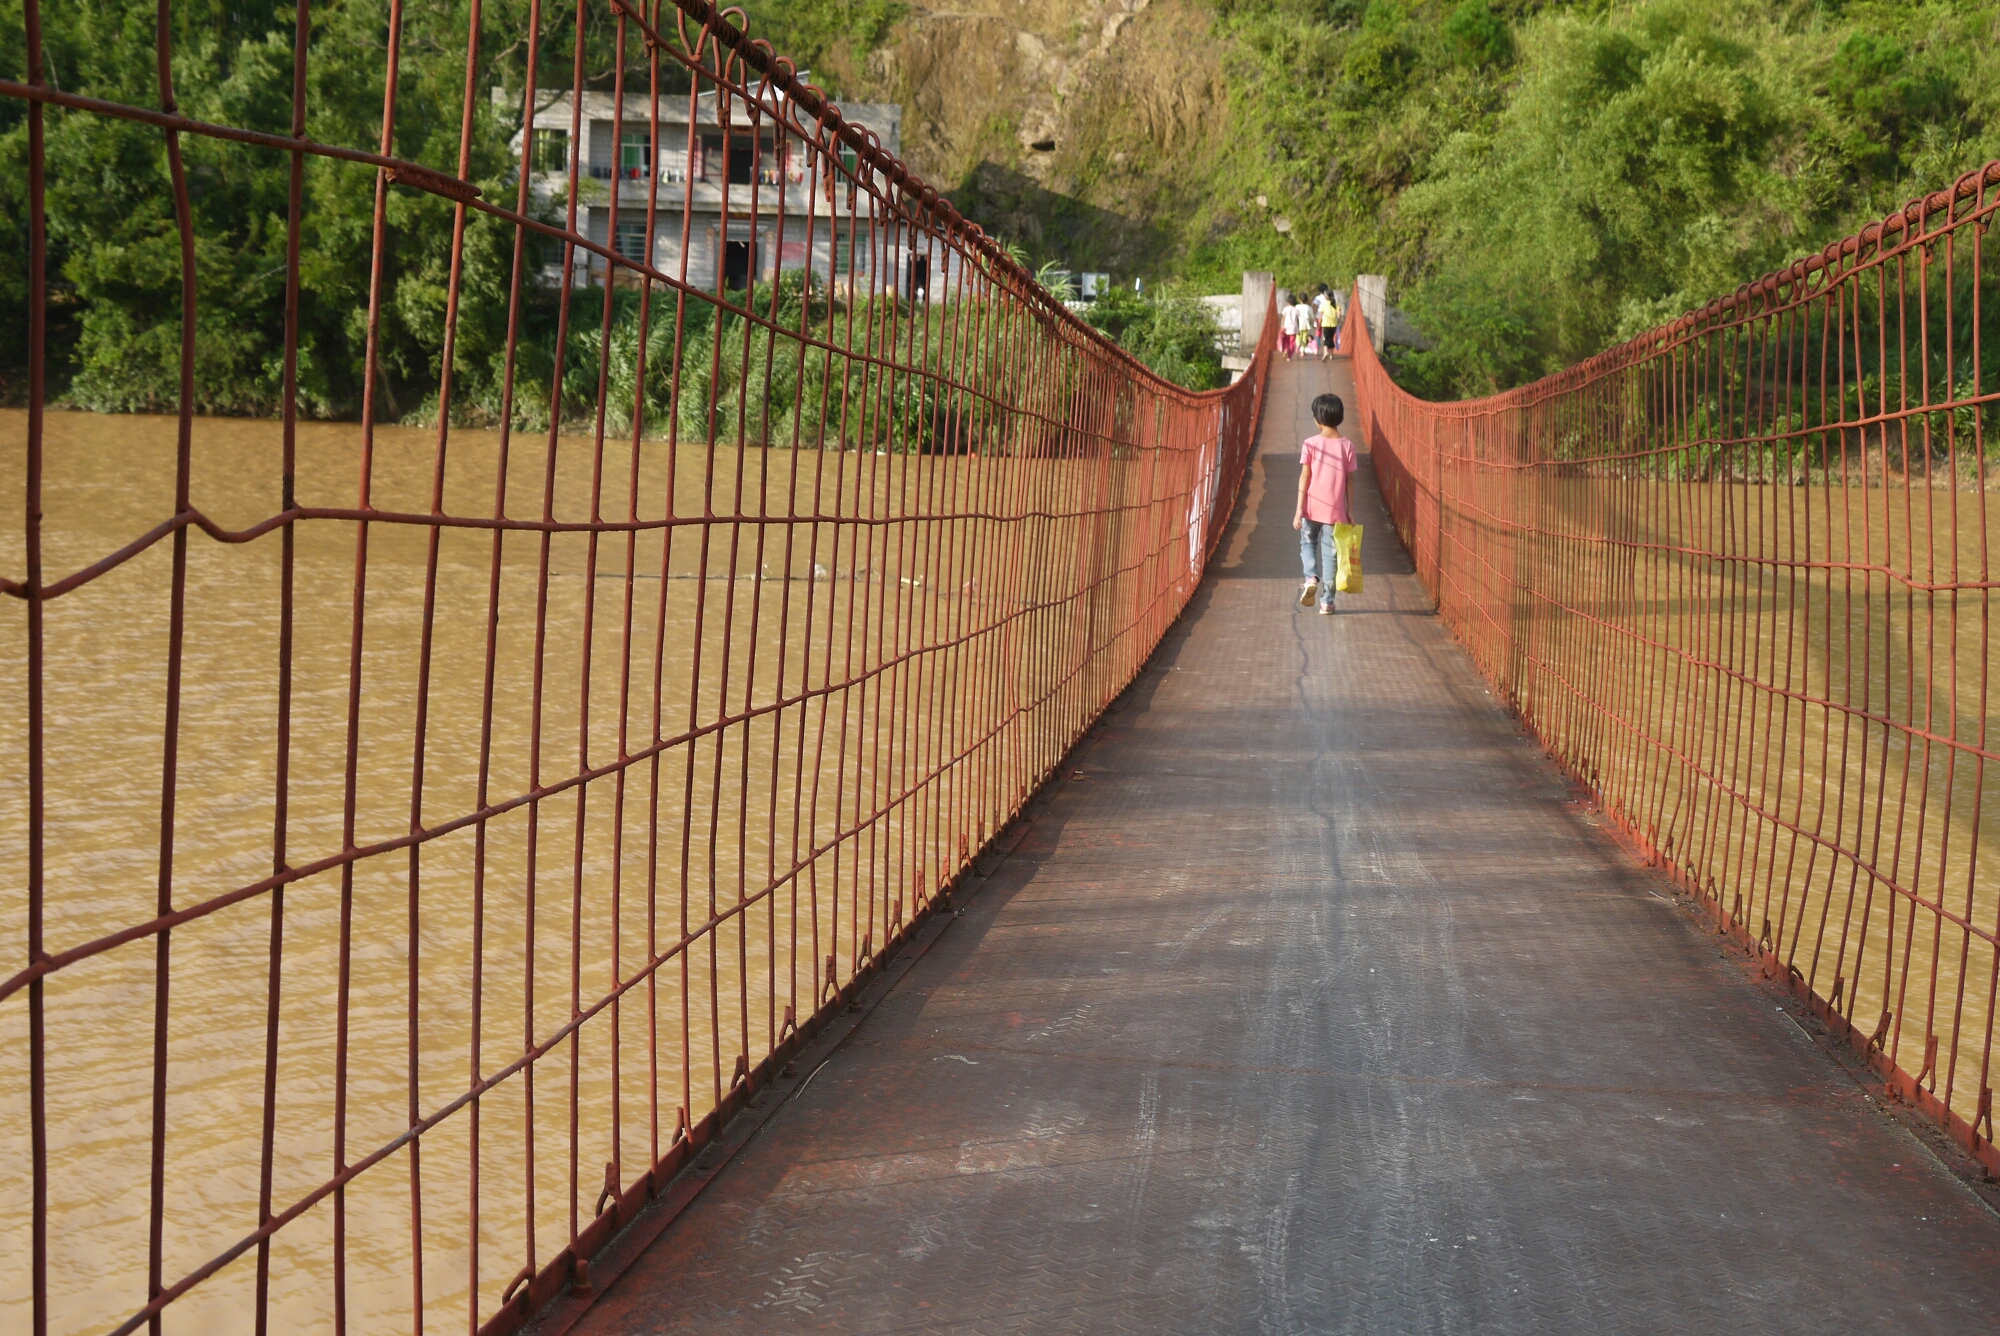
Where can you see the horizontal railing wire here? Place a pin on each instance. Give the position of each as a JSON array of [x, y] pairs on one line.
[[1736, 575], [510, 800]]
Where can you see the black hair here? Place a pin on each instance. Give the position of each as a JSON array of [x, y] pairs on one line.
[[1328, 410]]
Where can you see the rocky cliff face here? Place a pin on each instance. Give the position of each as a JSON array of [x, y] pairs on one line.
[[1080, 129]]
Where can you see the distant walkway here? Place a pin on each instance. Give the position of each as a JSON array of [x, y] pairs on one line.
[[1308, 1006]]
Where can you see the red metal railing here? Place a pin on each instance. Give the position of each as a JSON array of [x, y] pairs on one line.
[[1736, 576], [412, 820]]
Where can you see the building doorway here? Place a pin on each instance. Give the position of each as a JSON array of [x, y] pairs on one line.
[[735, 265], [920, 278]]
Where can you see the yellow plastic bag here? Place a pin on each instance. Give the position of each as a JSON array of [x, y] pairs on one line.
[[1347, 541]]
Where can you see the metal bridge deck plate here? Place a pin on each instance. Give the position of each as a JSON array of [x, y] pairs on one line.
[[1308, 1004]]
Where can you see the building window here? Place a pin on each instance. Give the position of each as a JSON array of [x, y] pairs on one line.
[[635, 153], [551, 151], [850, 254], [546, 250], [632, 238]]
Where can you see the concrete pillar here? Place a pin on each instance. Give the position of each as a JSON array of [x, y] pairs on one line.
[[1374, 305], [1256, 296]]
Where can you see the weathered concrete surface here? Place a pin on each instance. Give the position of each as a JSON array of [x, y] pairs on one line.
[[1311, 1006]]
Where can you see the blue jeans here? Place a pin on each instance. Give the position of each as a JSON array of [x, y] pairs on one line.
[[1319, 557]]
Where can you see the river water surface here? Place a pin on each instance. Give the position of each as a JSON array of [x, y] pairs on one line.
[[455, 958]]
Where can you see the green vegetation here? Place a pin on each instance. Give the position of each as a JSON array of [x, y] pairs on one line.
[[1537, 180], [1169, 329], [827, 38], [114, 246], [741, 380], [1540, 181]]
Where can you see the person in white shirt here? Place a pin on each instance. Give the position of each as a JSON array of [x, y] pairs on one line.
[[1288, 330]]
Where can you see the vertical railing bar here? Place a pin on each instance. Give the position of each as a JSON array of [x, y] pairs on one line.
[[587, 631], [1894, 1045], [1945, 1059], [426, 635], [1921, 846], [1830, 344], [371, 374], [780, 156], [1850, 287], [281, 803], [490, 667], [176, 633], [699, 636], [753, 110], [38, 301]]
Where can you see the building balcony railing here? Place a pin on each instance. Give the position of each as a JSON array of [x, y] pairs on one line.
[[767, 176]]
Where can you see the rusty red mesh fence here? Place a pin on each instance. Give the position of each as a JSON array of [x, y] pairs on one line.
[[416, 840], [1736, 575]]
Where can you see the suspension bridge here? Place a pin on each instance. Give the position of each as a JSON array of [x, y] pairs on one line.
[[813, 807], [1315, 997]]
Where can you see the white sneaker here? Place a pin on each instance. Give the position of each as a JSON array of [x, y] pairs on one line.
[[1306, 592]]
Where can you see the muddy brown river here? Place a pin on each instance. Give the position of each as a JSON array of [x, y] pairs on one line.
[[874, 791], [754, 625]]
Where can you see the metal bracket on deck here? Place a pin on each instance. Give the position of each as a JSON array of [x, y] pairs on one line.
[[611, 1191], [1881, 1035]]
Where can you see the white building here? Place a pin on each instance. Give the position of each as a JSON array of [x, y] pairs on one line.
[[702, 167]]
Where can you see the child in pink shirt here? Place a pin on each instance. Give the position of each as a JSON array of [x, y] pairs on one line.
[[1325, 461]]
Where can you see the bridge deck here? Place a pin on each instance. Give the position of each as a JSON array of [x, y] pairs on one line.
[[1309, 1005]]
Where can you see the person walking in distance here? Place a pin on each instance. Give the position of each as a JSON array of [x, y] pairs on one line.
[[1288, 328], [1325, 461], [1329, 324]]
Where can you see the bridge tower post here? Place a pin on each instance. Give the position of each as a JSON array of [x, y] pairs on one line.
[[1257, 285]]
